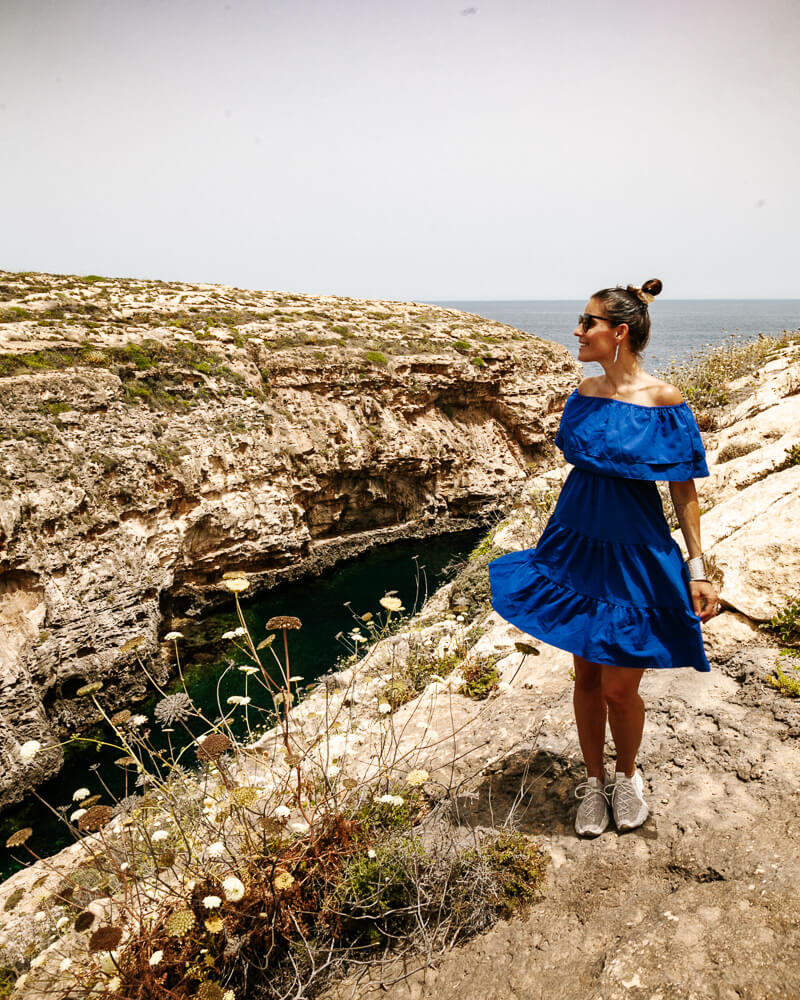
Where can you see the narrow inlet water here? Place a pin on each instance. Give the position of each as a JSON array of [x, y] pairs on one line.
[[327, 605]]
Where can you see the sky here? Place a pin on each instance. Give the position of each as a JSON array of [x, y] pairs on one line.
[[425, 150]]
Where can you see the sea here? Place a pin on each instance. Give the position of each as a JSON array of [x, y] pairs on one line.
[[679, 327]]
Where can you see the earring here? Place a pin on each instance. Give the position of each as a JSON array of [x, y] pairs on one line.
[[616, 356]]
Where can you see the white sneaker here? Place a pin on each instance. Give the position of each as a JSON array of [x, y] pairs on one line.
[[592, 816], [627, 801]]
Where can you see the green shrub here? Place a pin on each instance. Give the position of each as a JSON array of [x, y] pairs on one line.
[[792, 458], [786, 624], [377, 358], [786, 677], [480, 679]]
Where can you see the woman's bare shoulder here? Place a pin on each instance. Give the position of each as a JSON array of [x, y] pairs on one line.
[[664, 393], [588, 386]]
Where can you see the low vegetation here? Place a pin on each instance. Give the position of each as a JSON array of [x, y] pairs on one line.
[[705, 377], [736, 449], [237, 868], [787, 676], [786, 624]]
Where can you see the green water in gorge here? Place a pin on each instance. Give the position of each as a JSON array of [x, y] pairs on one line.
[[327, 606]]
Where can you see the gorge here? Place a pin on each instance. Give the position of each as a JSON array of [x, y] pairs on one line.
[[155, 435]]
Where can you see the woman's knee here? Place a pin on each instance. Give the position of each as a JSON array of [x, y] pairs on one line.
[[620, 686], [588, 675]]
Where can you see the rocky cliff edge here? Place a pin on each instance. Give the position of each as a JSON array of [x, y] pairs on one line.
[[154, 435]]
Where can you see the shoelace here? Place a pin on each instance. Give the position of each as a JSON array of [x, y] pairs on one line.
[[624, 791], [584, 789]]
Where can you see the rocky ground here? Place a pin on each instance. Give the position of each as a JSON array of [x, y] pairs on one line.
[[701, 902], [154, 435]]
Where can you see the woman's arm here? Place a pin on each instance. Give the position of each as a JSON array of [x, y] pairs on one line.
[[684, 499]]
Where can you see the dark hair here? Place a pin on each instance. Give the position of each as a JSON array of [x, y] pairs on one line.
[[623, 305]]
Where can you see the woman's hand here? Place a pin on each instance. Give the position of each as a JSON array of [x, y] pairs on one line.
[[704, 599]]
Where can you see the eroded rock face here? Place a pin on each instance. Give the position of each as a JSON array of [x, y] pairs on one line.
[[155, 435], [751, 524]]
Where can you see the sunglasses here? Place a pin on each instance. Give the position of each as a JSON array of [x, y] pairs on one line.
[[587, 320]]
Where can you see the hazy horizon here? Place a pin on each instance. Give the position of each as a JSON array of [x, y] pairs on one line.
[[514, 150]]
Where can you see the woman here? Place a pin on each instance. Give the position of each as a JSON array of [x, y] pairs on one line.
[[606, 581]]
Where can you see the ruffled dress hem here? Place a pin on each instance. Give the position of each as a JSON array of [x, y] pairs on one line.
[[600, 631]]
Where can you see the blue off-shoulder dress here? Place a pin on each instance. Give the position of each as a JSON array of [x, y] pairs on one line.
[[606, 581]]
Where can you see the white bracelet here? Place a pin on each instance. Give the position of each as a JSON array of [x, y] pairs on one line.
[[697, 568]]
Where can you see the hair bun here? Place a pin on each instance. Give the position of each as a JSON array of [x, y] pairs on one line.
[[647, 292]]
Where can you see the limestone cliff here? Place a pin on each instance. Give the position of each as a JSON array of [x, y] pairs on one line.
[[155, 434]]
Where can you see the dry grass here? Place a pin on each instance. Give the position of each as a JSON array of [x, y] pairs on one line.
[[262, 869], [705, 377]]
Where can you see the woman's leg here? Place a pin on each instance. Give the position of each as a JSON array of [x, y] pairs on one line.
[[620, 692], [590, 714]]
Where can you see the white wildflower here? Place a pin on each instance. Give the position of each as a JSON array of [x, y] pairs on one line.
[[384, 708], [233, 888], [239, 699], [124, 866], [371, 853], [391, 800], [156, 957], [37, 961], [62, 922], [282, 812], [248, 670], [137, 720], [108, 963], [299, 826], [212, 902], [80, 795], [215, 850], [113, 984], [391, 603], [417, 777], [172, 636], [29, 749], [159, 835], [77, 815], [504, 687], [234, 633], [65, 964]]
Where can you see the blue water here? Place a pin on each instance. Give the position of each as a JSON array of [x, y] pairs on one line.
[[678, 326]]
